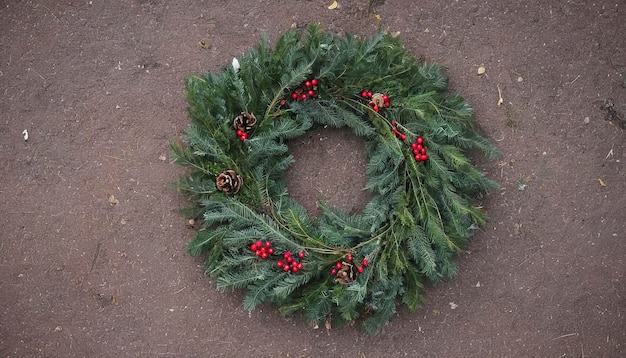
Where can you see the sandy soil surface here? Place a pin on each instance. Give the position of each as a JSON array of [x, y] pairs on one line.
[[91, 243]]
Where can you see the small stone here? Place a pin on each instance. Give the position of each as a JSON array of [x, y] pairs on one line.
[[481, 70], [57, 329], [520, 79], [586, 120]]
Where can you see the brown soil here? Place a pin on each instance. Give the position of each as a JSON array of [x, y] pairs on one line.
[[99, 87]]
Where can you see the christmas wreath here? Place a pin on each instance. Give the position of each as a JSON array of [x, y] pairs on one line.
[[338, 266]]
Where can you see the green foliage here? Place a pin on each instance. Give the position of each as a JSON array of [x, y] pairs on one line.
[[420, 215]]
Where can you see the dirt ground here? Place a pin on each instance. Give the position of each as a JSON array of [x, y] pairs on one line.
[[92, 260]]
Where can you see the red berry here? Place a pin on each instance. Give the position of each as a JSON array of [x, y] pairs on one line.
[[311, 93], [242, 138], [360, 269], [282, 102], [263, 250], [423, 150], [253, 247], [303, 96], [420, 140], [418, 158], [333, 271], [387, 104], [372, 104], [270, 251], [294, 269], [385, 98], [258, 252], [419, 147], [365, 262], [258, 243], [300, 265], [393, 123], [414, 145], [294, 96], [239, 132], [402, 136], [264, 255], [286, 268], [338, 265], [307, 83], [364, 94], [289, 259], [287, 254], [301, 254], [369, 94], [280, 264], [376, 108], [314, 82], [416, 152], [268, 244], [424, 157], [349, 257]]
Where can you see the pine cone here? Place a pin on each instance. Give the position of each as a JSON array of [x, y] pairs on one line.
[[378, 100], [229, 182], [245, 122], [346, 273]]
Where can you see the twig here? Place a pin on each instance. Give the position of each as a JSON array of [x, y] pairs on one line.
[[95, 256], [112, 157], [574, 80], [50, 11], [610, 152], [38, 74], [565, 335]]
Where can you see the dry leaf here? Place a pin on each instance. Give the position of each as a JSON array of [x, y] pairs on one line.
[[113, 200], [204, 44], [481, 70], [333, 5], [601, 182]]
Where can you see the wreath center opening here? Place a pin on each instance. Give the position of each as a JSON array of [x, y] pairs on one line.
[[330, 166]]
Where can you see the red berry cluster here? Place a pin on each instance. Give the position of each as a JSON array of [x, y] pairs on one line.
[[306, 90], [262, 250], [418, 150], [339, 265], [398, 134], [291, 263], [377, 100], [242, 135]]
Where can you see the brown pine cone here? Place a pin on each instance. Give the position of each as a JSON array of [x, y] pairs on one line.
[[229, 182], [378, 100], [346, 273], [245, 122]]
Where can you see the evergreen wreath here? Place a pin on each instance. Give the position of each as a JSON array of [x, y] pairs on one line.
[[338, 266]]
